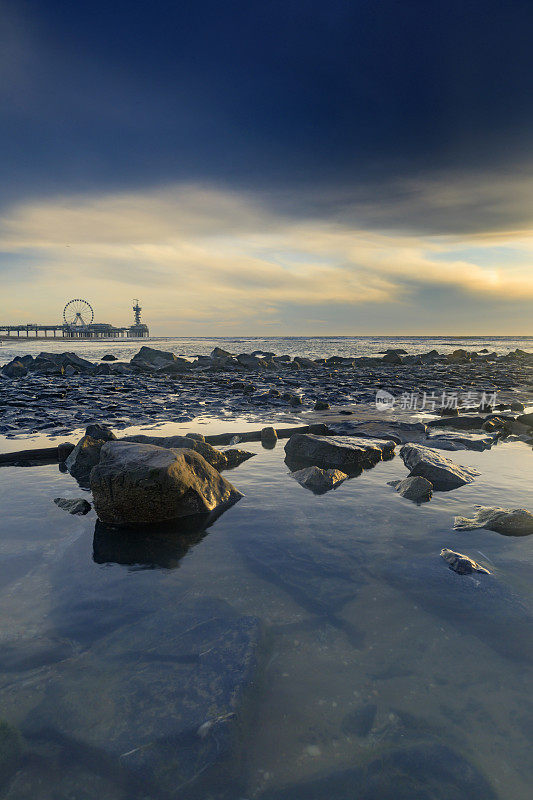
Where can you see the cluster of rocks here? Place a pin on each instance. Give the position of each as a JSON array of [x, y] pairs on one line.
[[62, 392]]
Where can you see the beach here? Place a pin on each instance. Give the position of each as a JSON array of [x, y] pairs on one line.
[[301, 642]]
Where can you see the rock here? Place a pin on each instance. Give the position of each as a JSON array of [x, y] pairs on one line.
[[295, 400], [175, 367], [341, 452], [461, 564], [305, 363], [108, 357], [198, 437], [64, 450], [150, 357], [11, 751], [458, 357], [83, 458], [168, 698], [399, 432], [463, 422], [14, 369], [251, 362], [214, 457], [516, 405], [269, 437], [234, 457], [458, 441], [443, 473], [427, 770], [508, 521], [414, 488], [526, 419], [98, 431], [321, 405], [78, 506], [391, 357], [218, 352], [137, 484], [319, 480], [359, 721]]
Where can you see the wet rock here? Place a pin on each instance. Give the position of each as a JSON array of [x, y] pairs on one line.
[[321, 405], [359, 721], [83, 458], [487, 609], [425, 771], [14, 369], [175, 367], [269, 437], [251, 362], [319, 480], [399, 432], [151, 357], [99, 431], [463, 565], [391, 357], [218, 352], [64, 450], [78, 506], [443, 473], [526, 419], [414, 488], [136, 484], [462, 422], [11, 751], [457, 441], [234, 457], [108, 357], [171, 715], [508, 521], [215, 457], [340, 452]]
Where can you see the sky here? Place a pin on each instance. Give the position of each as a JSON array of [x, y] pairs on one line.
[[279, 167]]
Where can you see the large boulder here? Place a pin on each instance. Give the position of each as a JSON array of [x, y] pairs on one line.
[[139, 484], [15, 369], [460, 441], [443, 473], [347, 453], [214, 457], [149, 357]]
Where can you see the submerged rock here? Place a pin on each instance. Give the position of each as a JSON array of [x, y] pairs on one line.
[[138, 484], [423, 771], [508, 521], [359, 721], [11, 751], [463, 565], [319, 480], [168, 697], [439, 470], [414, 488], [77, 505], [340, 452]]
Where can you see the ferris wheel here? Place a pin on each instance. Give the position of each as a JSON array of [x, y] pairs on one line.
[[78, 313]]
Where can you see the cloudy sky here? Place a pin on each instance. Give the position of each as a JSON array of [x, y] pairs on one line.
[[273, 167]]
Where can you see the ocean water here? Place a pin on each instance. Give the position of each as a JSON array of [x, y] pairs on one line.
[[310, 346], [380, 673]]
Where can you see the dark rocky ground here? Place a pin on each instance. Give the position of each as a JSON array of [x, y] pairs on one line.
[[58, 393]]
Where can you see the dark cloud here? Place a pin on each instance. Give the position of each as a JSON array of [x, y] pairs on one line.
[[279, 96]]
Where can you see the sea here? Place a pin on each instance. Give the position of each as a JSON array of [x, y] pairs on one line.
[[301, 647], [309, 346]]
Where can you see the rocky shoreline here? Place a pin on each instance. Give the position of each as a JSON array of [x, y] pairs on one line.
[[58, 393]]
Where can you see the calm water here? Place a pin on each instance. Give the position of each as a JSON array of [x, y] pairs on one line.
[[312, 347], [379, 673]]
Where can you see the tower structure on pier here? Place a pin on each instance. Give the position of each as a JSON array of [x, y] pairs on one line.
[[138, 329]]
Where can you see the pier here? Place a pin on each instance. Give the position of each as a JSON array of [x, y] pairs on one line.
[[77, 323]]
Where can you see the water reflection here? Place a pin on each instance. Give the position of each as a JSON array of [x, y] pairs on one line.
[[154, 546]]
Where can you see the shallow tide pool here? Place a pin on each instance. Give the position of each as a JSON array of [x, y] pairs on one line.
[[302, 646]]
